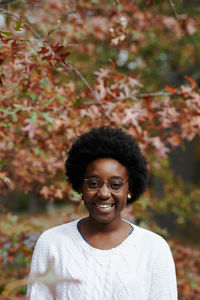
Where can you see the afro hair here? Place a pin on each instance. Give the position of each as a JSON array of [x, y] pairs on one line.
[[107, 142]]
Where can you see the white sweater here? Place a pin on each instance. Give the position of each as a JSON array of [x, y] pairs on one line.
[[140, 268]]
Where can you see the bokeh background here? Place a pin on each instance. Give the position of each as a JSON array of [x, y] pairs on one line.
[[69, 66]]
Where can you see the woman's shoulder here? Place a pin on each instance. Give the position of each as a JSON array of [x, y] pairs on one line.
[[150, 239], [57, 232]]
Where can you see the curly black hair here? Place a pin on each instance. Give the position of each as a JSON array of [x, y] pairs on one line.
[[111, 143]]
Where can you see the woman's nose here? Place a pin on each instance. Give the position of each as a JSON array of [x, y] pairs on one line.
[[104, 192]]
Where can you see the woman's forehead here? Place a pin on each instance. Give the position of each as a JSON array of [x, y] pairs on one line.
[[106, 168]]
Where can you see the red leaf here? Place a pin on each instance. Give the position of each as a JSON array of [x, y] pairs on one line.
[[170, 89], [43, 50], [47, 57], [191, 80]]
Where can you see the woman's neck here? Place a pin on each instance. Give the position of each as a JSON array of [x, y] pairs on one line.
[[93, 226], [104, 235]]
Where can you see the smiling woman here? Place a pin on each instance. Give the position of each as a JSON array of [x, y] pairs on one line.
[[102, 256], [105, 200]]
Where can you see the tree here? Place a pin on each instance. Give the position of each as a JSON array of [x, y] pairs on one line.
[[67, 66]]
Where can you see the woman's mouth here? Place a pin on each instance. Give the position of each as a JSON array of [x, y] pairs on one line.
[[104, 206]]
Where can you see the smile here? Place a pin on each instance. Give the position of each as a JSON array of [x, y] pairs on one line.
[[104, 206]]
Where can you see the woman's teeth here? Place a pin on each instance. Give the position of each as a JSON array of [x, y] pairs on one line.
[[104, 206]]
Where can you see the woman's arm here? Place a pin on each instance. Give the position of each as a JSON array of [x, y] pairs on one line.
[[163, 278], [40, 266]]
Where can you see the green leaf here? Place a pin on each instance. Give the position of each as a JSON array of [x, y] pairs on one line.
[[47, 118], [75, 195], [5, 111], [6, 33], [54, 30], [63, 187], [14, 118], [77, 102], [44, 82], [19, 25], [24, 289], [144, 202], [47, 102], [10, 111], [2, 163], [6, 125], [60, 98], [33, 96], [37, 151], [34, 117]]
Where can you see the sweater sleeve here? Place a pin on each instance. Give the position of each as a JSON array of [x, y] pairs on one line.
[[40, 260], [163, 278]]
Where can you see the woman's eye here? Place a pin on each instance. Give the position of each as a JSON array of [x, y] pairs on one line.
[[93, 183], [115, 185]]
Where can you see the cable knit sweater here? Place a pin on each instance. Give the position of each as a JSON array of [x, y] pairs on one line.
[[140, 268]]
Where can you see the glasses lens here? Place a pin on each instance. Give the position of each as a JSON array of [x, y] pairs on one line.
[[96, 183], [93, 183], [115, 185]]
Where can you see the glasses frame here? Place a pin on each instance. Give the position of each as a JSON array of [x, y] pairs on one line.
[[107, 184]]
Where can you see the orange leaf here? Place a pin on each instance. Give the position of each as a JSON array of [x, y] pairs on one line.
[[191, 80], [170, 89]]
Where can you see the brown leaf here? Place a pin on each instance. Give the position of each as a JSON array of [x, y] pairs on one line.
[[43, 50]]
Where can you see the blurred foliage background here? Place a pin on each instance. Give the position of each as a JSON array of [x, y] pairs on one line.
[[63, 66]]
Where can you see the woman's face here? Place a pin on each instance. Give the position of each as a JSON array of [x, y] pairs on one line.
[[105, 189]]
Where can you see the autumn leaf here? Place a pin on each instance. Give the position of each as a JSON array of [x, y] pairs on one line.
[[45, 191], [170, 89], [102, 73], [191, 80], [6, 180], [58, 100], [50, 278], [47, 57], [59, 194], [148, 2], [31, 128], [43, 50]]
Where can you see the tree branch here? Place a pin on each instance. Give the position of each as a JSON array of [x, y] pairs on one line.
[[142, 95], [16, 17], [40, 38], [65, 65], [72, 68], [174, 10], [156, 94]]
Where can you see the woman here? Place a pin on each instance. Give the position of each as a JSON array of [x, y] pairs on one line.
[[102, 256]]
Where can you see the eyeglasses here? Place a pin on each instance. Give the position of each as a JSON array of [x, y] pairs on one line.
[[114, 185]]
